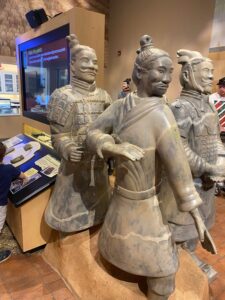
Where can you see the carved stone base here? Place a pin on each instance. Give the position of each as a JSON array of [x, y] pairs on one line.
[[76, 258]]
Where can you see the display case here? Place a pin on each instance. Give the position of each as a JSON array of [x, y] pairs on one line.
[[38, 162], [27, 200]]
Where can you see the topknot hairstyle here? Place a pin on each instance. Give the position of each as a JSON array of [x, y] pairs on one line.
[[145, 42], [146, 54], [75, 46], [189, 57]]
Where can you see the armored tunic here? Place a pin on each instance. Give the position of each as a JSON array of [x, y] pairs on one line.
[[197, 121], [81, 194], [134, 236]]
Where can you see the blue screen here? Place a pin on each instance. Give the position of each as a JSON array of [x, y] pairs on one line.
[[44, 68]]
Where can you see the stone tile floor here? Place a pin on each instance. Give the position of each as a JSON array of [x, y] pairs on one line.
[[28, 277]]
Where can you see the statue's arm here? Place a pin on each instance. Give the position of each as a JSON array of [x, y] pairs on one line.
[[171, 151], [60, 117], [99, 132], [99, 139], [62, 140]]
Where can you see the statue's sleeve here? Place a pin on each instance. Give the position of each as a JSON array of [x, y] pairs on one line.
[[184, 121], [169, 148], [220, 147], [59, 116], [101, 129]]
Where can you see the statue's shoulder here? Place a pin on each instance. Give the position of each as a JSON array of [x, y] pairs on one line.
[[177, 105], [182, 111], [103, 95], [60, 105], [61, 92]]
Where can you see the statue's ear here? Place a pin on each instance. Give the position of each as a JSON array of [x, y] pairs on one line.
[[185, 76], [139, 73]]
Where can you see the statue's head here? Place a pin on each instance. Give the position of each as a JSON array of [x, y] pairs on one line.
[[83, 60], [196, 72], [152, 69]]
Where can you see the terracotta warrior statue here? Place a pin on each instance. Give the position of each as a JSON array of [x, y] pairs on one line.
[[199, 130], [81, 194], [141, 133]]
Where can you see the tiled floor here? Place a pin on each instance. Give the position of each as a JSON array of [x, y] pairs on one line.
[[28, 277], [25, 277]]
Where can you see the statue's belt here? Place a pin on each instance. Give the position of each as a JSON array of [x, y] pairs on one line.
[[137, 195]]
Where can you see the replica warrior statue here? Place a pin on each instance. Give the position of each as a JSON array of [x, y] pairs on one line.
[[135, 237], [199, 130], [81, 194]]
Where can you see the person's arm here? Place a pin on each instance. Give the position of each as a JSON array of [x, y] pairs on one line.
[[22, 176]]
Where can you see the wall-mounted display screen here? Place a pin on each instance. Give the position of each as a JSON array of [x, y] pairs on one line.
[[44, 65]]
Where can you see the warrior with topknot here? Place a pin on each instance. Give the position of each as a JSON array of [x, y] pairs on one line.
[[141, 133]]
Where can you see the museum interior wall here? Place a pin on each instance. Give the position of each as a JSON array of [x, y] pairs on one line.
[[172, 24]]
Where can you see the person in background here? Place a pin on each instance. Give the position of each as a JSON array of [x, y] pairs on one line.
[[125, 88], [218, 99], [8, 173]]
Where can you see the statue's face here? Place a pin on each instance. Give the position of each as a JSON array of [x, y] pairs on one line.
[[203, 73], [155, 81], [85, 67]]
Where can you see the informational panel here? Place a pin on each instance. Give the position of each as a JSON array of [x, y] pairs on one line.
[[38, 162]]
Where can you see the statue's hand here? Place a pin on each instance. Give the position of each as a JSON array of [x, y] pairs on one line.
[[204, 236], [127, 150], [75, 154]]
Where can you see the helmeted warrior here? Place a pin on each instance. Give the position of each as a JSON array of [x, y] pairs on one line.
[[81, 194], [198, 125], [134, 235]]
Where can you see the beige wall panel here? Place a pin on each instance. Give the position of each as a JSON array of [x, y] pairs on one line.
[[10, 126]]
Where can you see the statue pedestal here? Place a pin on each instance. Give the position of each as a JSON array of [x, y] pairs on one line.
[[76, 258]]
